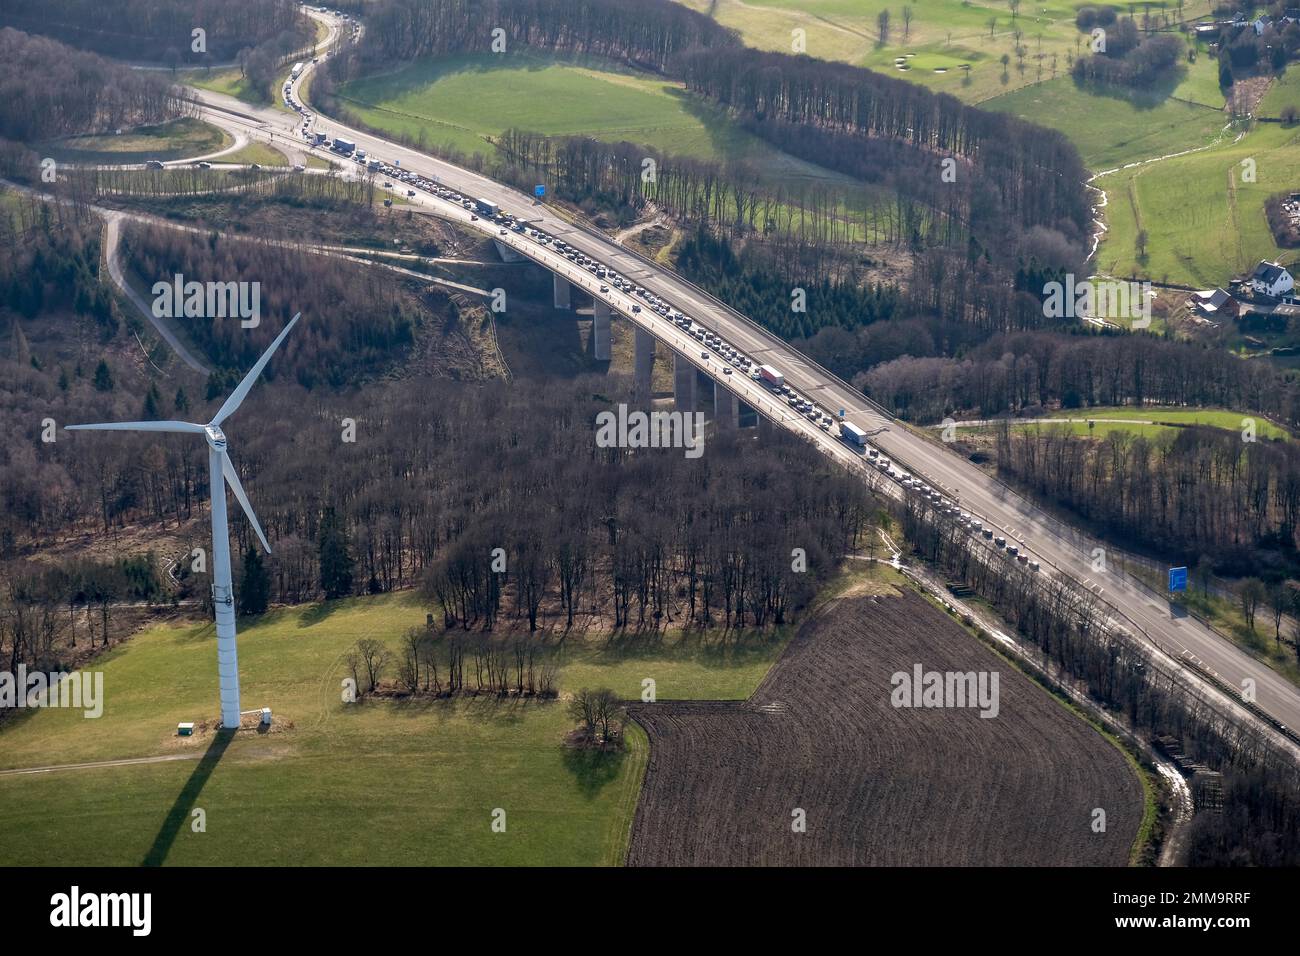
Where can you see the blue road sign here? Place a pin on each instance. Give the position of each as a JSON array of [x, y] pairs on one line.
[[539, 191], [1178, 579]]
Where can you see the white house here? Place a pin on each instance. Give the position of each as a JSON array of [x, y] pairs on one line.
[[1261, 25], [1271, 279]]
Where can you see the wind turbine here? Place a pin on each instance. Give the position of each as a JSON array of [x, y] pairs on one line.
[[220, 470]]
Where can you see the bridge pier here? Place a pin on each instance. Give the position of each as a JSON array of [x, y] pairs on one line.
[[600, 330], [726, 407], [506, 253], [683, 384], [562, 288], [644, 361]]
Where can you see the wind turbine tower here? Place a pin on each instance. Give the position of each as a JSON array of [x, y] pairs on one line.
[[221, 472]]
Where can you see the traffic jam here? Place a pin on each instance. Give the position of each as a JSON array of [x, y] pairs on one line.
[[714, 349]]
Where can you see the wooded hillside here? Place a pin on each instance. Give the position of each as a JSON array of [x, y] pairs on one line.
[[48, 89]]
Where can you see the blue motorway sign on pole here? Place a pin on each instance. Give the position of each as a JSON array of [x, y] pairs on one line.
[[1177, 579], [539, 191]]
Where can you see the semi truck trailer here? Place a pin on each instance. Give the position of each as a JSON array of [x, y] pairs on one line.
[[852, 434]]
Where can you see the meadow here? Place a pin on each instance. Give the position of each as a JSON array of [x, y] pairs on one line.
[[404, 782], [1155, 421], [943, 37], [1203, 215], [173, 140], [464, 101], [1110, 131]]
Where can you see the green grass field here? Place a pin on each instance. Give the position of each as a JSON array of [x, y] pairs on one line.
[[260, 153], [464, 101], [231, 82], [166, 141], [1216, 417], [1110, 131], [411, 783], [1203, 217], [943, 36]]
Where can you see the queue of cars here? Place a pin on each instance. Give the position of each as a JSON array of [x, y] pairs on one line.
[[731, 359], [949, 508]]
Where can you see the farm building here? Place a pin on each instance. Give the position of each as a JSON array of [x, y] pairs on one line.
[[1214, 303]]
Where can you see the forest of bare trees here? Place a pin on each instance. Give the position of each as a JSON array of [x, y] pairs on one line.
[[640, 539], [649, 536], [1025, 372], [49, 90], [645, 33], [494, 467], [360, 320], [1206, 491], [729, 199], [1013, 172], [52, 614], [160, 31]]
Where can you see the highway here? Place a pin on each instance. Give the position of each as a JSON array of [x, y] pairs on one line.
[[1057, 545]]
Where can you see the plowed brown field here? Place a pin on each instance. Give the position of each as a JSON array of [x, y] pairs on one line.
[[879, 785]]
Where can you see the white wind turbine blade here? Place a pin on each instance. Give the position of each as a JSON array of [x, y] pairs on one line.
[[232, 478], [237, 396], [188, 427]]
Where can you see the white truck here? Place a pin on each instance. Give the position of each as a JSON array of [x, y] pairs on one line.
[[771, 376], [852, 434]]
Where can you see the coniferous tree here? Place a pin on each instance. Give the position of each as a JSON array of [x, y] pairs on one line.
[[103, 377], [255, 584], [335, 556], [152, 404]]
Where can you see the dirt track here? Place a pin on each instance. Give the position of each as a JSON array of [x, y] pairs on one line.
[[880, 785]]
